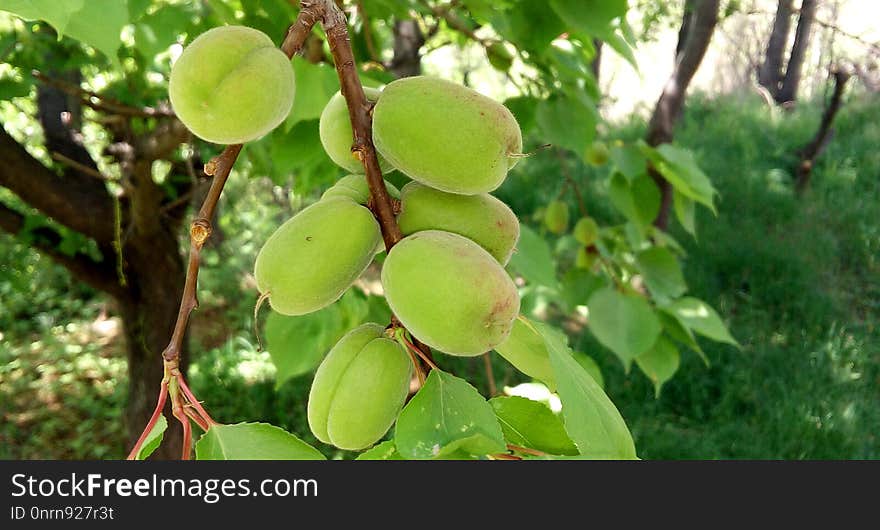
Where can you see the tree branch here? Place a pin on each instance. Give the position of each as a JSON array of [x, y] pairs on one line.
[[99, 275], [219, 168], [76, 200], [100, 102]]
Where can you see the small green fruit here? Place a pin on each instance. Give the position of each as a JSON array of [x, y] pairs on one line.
[[584, 258], [355, 187], [337, 137], [586, 231], [231, 85], [481, 218], [449, 292], [526, 351], [556, 217], [445, 135], [314, 257], [359, 389], [597, 154], [499, 56]]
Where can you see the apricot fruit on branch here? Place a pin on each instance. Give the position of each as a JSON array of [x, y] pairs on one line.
[[337, 137], [586, 231], [355, 187], [314, 257], [359, 389], [597, 154], [445, 135], [556, 217], [449, 292], [232, 85], [481, 218]]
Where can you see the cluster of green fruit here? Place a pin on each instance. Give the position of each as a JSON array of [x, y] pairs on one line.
[[556, 219], [445, 280]]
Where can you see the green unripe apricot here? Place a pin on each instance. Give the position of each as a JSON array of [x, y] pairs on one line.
[[232, 85], [585, 259], [499, 56], [597, 154], [337, 137], [556, 217], [314, 257], [449, 292], [481, 218], [526, 351], [359, 389], [586, 231], [445, 135], [355, 187]]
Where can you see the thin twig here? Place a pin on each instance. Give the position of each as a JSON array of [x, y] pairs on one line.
[[490, 374], [101, 102], [79, 166], [571, 182], [160, 404]]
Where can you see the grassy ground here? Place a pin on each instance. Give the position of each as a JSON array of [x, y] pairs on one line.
[[797, 279]]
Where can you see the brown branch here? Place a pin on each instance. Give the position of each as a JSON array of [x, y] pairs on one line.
[[64, 198], [219, 168], [100, 102], [812, 150], [368, 33], [79, 166], [359, 112]]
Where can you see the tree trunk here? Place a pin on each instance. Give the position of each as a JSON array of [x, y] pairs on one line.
[[671, 102], [794, 70], [823, 135], [408, 40], [770, 72]]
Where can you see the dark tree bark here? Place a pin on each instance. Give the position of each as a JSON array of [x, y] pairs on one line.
[[812, 150], [78, 198], [687, 20], [596, 64], [671, 102], [770, 71], [794, 70], [408, 40]]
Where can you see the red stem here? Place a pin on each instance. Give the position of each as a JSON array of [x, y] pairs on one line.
[[163, 395]]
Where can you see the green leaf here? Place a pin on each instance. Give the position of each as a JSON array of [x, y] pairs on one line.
[[685, 211], [533, 259], [315, 85], [638, 201], [297, 344], [592, 17], [699, 316], [662, 273], [383, 451], [524, 109], [56, 13], [529, 24], [677, 331], [589, 364], [253, 441], [531, 424], [567, 122], [591, 419], [99, 24], [681, 170], [524, 348], [446, 416], [157, 32], [623, 323], [11, 88], [154, 439], [659, 363], [629, 161], [579, 284]]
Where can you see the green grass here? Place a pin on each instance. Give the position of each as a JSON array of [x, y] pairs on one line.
[[797, 280]]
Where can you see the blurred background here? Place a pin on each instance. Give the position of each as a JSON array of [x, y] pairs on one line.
[[99, 182]]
